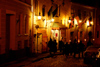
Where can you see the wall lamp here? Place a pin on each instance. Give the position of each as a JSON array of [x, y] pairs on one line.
[[52, 20], [76, 24], [69, 21], [88, 23], [39, 17]]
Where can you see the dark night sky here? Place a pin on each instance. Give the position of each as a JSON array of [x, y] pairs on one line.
[[87, 2]]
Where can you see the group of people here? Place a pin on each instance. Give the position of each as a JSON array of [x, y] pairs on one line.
[[71, 48], [52, 46], [66, 49]]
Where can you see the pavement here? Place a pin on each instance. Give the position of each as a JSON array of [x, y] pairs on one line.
[[34, 58]]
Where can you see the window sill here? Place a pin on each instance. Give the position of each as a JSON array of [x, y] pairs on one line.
[[26, 34], [19, 34]]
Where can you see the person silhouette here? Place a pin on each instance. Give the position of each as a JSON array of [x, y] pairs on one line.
[[75, 47], [54, 46], [81, 48], [50, 45], [61, 44]]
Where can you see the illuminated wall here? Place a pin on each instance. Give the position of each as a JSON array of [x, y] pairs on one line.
[[20, 25], [76, 27], [85, 18]]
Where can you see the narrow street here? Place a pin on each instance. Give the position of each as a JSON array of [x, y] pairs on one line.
[[55, 61], [59, 61]]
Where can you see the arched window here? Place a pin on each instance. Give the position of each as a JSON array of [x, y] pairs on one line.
[[43, 10]]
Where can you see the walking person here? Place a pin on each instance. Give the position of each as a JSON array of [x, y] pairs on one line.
[[61, 44], [50, 45], [66, 49], [71, 48], [54, 46], [75, 47], [81, 48]]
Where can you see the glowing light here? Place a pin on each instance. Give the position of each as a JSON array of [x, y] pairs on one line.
[[52, 20], [93, 39], [98, 55], [69, 21], [39, 17], [87, 23], [78, 40], [84, 39], [48, 20], [75, 21], [69, 40], [91, 22], [80, 21]]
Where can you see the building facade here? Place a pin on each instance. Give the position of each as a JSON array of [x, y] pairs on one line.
[[64, 20], [97, 36], [26, 26], [15, 28]]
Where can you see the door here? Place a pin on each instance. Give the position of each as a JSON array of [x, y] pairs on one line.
[[39, 41], [56, 34], [7, 33]]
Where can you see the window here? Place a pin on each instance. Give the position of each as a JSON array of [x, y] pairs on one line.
[[26, 43], [59, 10], [43, 10], [19, 44], [97, 34], [26, 23], [84, 14], [79, 14], [19, 24], [72, 13], [36, 8]]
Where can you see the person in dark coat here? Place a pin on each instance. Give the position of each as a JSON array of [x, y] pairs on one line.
[[54, 46], [71, 48], [61, 44], [50, 45], [66, 49], [81, 48], [75, 47]]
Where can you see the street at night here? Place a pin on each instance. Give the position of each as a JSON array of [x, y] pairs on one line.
[[31, 30], [55, 61], [59, 61]]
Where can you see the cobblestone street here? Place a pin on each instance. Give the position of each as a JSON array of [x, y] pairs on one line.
[[55, 61], [59, 61]]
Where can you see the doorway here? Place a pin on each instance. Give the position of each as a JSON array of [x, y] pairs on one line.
[[39, 43], [10, 32], [7, 33], [56, 35]]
